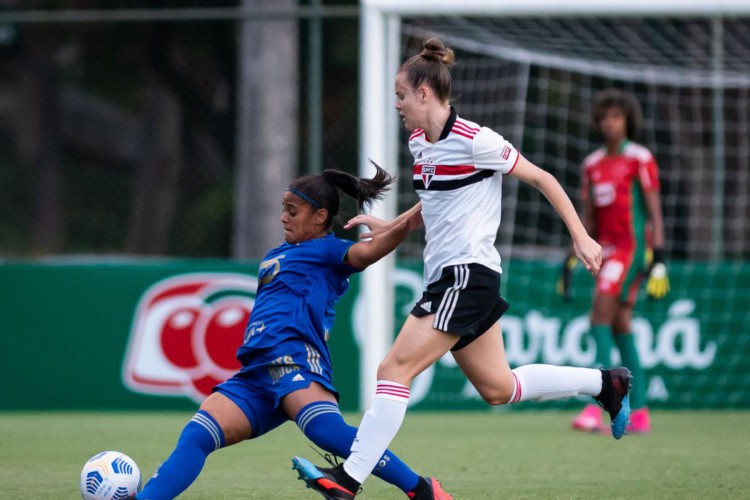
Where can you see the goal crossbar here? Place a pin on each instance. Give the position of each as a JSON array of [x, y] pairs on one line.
[[686, 8]]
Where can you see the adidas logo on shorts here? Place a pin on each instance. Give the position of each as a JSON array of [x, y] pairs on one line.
[[298, 378], [427, 306]]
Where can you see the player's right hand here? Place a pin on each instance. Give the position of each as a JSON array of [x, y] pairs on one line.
[[566, 275], [657, 285]]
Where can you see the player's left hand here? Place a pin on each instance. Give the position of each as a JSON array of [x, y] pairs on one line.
[[657, 285], [374, 225], [589, 252]]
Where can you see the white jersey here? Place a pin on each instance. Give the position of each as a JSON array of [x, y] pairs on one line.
[[459, 181]]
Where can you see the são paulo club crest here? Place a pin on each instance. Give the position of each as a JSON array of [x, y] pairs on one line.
[[186, 332], [428, 172]]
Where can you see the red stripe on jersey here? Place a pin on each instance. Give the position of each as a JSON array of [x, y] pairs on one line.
[[460, 129], [446, 169], [514, 163], [416, 133], [466, 126], [468, 135]]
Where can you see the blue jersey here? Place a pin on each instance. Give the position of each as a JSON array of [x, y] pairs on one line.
[[298, 287]]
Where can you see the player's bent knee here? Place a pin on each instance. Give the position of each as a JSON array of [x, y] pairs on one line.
[[495, 396], [396, 373], [497, 399]]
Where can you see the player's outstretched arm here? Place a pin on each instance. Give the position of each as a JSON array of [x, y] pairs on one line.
[[588, 251], [385, 239], [376, 225]]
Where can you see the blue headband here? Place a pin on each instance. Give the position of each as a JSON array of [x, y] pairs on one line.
[[304, 197]]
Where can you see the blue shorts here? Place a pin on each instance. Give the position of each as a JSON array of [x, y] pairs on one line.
[[258, 389]]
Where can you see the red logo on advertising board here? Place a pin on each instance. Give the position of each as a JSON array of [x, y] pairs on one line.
[[186, 332]]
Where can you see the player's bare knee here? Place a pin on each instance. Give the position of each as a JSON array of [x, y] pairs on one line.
[[391, 369], [496, 395], [388, 371], [496, 398]]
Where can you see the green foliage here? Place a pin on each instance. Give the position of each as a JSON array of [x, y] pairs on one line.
[[204, 225], [503, 454], [97, 202], [16, 186]]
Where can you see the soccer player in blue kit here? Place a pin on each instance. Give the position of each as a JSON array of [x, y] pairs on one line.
[[286, 365]]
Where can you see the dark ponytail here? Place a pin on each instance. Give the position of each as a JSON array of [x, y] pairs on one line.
[[320, 190], [365, 191]]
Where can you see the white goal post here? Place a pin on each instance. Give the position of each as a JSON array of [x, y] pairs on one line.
[[380, 56]]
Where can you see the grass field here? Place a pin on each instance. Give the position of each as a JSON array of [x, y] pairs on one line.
[[507, 454]]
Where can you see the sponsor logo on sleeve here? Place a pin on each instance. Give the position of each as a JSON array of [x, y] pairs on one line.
[[506, 152]]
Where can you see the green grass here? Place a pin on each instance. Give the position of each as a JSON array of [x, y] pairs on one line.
[[504, 454]]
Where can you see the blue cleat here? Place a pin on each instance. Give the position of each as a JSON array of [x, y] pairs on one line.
[[614, 398], [622, 419], [327, 482]]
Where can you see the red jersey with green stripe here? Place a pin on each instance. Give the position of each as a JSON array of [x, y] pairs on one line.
[[615, 185]]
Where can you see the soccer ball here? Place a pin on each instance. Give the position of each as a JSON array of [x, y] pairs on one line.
[[110, 475]]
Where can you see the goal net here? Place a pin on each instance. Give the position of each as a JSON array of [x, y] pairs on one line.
[[532, 78]]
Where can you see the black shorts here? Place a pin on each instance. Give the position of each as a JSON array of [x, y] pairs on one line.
[[465, 300]]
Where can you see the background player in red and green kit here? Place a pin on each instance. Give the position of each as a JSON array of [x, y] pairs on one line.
[[622, 210]]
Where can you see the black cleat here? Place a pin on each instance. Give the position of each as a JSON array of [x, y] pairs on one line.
[[614, 398], [429, 488], [327, 482]]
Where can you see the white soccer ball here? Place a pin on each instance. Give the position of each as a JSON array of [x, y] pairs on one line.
[[110, 475]]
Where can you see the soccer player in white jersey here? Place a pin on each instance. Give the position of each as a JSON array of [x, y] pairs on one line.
[[458, 170]]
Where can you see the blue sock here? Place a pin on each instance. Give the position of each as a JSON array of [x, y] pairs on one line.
[[201, 436], [323, 424]]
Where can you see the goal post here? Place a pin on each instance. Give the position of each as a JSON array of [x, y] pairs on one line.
[[695, 89]]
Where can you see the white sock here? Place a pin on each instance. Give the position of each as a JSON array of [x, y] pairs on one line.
[[378, 428], [549, 382]]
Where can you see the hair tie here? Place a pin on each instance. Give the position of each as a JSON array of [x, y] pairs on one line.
[[304, 197]]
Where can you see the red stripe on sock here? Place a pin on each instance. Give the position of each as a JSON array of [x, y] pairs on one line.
[[390, 393], [392, 390], [517, 397]]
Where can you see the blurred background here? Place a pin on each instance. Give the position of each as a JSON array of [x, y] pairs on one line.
[[142, 132], [144, 148], [169, 128]]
